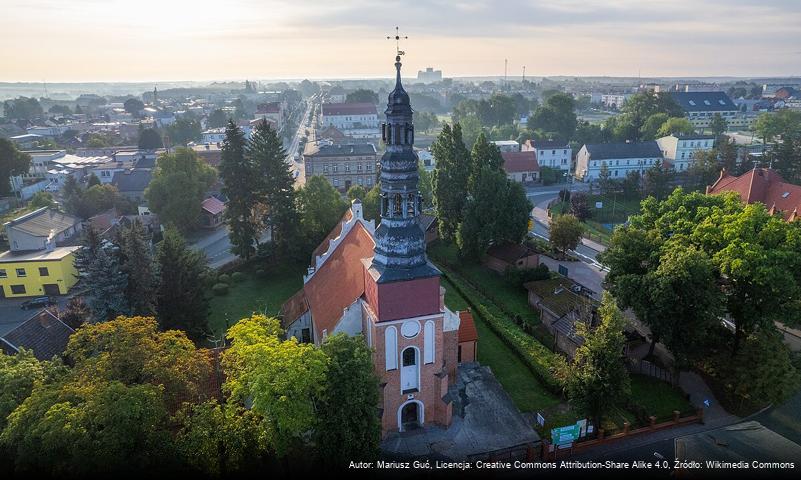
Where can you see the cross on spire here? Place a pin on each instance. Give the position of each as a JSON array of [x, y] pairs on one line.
[[398, 37]]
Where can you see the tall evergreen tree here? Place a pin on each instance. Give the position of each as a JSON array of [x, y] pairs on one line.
[[99, 268], [277, 190], [320, 206], [483, 155], [450, 179], [137, 264], [181, 300], [240, 184]]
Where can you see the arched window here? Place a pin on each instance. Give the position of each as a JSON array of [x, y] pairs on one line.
[[391, 348], [429, 337], [397, 209], [410, 205]]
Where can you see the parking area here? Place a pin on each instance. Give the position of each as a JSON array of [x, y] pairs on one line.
[[11, 315]]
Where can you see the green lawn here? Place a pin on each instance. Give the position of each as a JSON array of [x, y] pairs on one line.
[[522, 386], [657, 397], [261, 294]]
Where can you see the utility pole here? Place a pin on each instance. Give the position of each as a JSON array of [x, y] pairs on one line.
[[505, 64], [524, 74]]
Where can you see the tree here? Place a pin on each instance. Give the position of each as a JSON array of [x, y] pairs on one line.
[[92, 181], [98, 266], [426, 186], [22, 108], [241, 186], [184, 130], [372, 204], [357, 191], [76, 313], [362, 96], [650, 129], [605, 182], [12, 163], [471, 128], [483, 155], [179, 185], [320, 207], [565, 232], [597, 380], [704, 169], [579, 206], [657, 180], [134, 106], [59, 109], [631, 185], [276, 189], [217, 119], [718, 125], [676, 126], [279, 379], [347, 427], [450, 179], [20, 374], [181, 299], [638, 109], [556, 116], [768, 126], [424, 121], [137, 265], [42, 199], [149, 139]]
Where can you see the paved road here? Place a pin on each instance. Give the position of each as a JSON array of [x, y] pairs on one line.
[[297, 167], [11, 315]]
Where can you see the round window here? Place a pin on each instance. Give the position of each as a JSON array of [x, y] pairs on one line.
[[410, 329]]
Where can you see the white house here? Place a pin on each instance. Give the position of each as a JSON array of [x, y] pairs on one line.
[[680, 151], [105, 171], [619, 158], [552, 154], [356, 120]]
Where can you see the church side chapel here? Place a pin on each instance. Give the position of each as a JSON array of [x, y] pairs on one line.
[[377, 281]]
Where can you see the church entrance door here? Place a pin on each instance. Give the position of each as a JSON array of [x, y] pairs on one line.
[[410, 416], [409, 370]]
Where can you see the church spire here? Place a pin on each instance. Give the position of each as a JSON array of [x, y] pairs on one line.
[[400, 249]]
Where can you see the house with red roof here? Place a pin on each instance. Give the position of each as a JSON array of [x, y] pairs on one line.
[[211, 211], [521, 166], [762, 185]]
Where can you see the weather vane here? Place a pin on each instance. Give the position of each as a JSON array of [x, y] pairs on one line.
[[398, 38]]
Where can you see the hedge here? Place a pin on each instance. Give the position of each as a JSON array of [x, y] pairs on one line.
[[538, 358], [220, 289]]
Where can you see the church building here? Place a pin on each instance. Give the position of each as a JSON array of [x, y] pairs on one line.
[[377, 281]]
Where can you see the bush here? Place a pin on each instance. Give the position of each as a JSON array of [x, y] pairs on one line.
[[260, 272], [537, 357], [220, 289], [516, 277], [237, 277], [224, 278]]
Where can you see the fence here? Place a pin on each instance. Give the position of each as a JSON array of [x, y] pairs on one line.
[[526, 452], [644, 367]]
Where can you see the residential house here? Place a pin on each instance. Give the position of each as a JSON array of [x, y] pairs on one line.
[[44, 334], [508, 255], [211, 153], [680, 150], [132, 183], [430, 227], [41, 229], [614, 101], [273, 112], [765, 186], [701, 107], [212, 210], [550, 153], [38, 272], [105, 171], [357, 120], [521, 166], [619, 158], [342, 165]]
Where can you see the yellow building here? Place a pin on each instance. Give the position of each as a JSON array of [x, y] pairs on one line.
[[37, 273]]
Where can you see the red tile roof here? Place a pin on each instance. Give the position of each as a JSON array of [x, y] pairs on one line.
[[334, 233], [514, 162], [765, 186], [213, 205], [293, 308], [340, 280], [467, 327], [349, 109]]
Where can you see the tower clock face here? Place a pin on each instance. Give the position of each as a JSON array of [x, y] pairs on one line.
[[410, 329]]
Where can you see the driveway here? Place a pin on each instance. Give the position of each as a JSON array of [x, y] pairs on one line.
[[11, 315]]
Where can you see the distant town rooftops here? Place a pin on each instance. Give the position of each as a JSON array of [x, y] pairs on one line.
[[349, 109]]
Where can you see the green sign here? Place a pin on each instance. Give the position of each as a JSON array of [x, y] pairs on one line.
[[563, 435]]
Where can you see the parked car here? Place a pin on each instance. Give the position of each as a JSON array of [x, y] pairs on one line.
[[38, 302]]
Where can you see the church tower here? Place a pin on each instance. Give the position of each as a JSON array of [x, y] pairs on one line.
[[413, 334]]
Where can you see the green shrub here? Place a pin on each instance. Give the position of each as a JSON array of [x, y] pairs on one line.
[[220, 289], [260, 272], [537, 357], [237, 277], [224, 278]]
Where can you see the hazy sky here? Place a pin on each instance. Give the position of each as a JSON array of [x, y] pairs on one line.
[[139, 40]]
